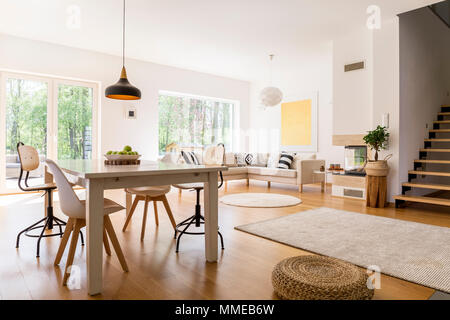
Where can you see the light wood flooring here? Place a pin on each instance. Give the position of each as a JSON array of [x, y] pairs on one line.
[[157, 272]]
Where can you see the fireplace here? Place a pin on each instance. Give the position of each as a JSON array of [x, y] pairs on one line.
[[355, 160]]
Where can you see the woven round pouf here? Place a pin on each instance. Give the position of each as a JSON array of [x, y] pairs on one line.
[[319, 278]]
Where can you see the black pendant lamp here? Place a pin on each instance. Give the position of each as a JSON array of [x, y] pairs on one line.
[[123, 89]]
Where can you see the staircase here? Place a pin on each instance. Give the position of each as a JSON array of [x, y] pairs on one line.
[[426, 157]]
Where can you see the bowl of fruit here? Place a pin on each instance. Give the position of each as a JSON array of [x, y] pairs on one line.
[[126, 154]]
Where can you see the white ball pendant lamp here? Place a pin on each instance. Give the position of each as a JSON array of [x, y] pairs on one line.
[[270, 96]]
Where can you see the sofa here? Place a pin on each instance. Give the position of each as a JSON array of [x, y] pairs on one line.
[[299, 174], [264, 167]]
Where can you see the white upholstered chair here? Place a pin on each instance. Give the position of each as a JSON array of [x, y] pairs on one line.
[[148, 194], [75, 209]]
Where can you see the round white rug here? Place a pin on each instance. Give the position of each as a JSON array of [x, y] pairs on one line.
[[260, 200]]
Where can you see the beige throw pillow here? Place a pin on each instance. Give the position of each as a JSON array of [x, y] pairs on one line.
[[230, 160], [272, 161], [260, 160]]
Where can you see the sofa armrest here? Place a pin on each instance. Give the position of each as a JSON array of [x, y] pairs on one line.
[[305, 171]]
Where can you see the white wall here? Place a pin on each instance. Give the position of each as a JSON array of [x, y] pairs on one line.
[[39, 57], [386, 95], [352, 100], [424, 81], [361, 97], [298, 76]]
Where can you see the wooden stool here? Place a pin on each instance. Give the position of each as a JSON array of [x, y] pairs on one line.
[[376, 191], [148, 194]]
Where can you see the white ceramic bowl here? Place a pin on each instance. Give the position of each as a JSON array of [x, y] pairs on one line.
[[122, 157]]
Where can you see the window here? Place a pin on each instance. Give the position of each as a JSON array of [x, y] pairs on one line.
[[194, 122], [55, 116], [74, 122]]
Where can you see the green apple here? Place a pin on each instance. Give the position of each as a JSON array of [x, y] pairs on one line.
[[109, 152], [130, 153], [127, 149], [114, 152]]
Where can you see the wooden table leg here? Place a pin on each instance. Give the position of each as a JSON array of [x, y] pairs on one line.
[[211, 217], [94, 230]]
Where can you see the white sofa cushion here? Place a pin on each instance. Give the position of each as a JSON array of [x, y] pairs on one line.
[[286, 173], [172, 158], [260, 160], [235, 171], [230, 159], [272, 162]]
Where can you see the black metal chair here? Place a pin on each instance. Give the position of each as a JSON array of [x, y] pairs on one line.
[[29, 161], [197, 218]]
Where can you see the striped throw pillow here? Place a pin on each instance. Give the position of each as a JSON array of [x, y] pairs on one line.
[[190, 158], [285, 161]]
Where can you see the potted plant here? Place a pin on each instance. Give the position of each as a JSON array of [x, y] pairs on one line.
[[376, 140]]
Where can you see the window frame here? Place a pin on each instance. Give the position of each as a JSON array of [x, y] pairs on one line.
[[52, 115], [235, 114]]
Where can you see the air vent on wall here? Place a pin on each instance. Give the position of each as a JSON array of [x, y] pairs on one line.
[[354, 66], [354, 193]]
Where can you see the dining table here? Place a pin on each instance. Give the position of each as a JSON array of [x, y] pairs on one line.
[[96, 177]]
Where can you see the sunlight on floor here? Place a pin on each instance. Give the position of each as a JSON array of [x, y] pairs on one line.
[[32, 198]]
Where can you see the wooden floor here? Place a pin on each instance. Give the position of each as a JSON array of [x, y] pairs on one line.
[[156, 272]]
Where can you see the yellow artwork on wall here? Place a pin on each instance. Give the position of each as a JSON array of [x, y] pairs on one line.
[[296, 123]]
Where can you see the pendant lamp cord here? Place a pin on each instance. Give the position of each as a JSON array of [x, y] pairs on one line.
[[271, 63], [123, 36]]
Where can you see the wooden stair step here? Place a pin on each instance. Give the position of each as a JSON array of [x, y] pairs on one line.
[[430, 173], [440, 130], [433, 161], [428, 200], [427, 186], [437, 140], [444, 113], [442, 122], [434, 150]]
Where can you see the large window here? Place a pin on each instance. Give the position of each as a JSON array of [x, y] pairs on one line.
[[26, 114], [74, 122], [55, 116], [194, 121]]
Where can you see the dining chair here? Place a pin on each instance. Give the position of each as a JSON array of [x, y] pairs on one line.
[[29, 161], [147, 194], [75, 209], [213, 156]]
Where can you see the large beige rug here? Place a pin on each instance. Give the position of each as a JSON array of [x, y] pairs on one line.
[[260, 200], [411, 251]]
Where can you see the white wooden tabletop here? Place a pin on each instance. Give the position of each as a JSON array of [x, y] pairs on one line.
[[88, 169]]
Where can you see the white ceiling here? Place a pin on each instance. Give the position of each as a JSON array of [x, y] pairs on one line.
[[228, 37]]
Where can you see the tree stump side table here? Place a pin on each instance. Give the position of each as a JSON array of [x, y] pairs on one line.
[[376, 191]]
